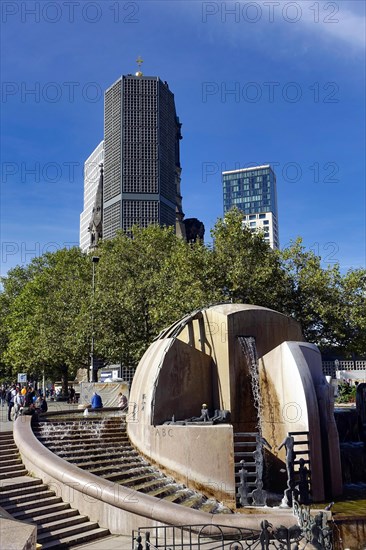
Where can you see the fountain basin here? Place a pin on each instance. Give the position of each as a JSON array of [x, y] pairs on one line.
[[119, 508]]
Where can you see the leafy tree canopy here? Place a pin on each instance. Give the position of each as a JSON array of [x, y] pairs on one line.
[[146, 281]]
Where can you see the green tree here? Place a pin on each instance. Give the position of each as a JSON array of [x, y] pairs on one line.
[[247, 269], [12, 285], [353, 311], [143, 284], [316, 296], [48, 321]]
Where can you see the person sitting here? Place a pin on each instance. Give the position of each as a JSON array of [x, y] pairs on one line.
[[30, 411], [43, 405], [71, 394], [122, 402], [96, 402]]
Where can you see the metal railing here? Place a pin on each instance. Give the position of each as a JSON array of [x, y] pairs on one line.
[[310, 529]]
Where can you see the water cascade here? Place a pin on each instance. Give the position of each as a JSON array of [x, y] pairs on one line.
[[100, 445], [257, 496], [247, 344]]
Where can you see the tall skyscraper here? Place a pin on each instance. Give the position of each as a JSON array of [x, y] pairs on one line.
[[91, 181], [253, 191], [141, 156]]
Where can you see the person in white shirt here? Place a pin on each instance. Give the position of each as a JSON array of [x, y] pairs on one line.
[[18, 404]]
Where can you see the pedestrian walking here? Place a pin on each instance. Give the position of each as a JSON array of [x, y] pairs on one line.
[[10, 397], [3, 395]]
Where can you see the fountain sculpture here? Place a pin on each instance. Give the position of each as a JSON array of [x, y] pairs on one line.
[[254, 363]]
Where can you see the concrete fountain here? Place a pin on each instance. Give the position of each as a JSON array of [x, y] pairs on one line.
[[266, 434], [250, 361]]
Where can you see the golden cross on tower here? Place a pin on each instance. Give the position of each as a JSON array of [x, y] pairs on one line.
[[139, 62]]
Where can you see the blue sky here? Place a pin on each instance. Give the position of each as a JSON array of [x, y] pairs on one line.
[[254, 82]]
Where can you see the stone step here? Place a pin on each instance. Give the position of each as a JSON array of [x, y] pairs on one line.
[[21, 487], [246, 454], [79, 429], [6, 441], [80, 453], [155, 484], [9, 456], [81, 538], [35, 504], [26, 497], [78, 425], [60, 523], [37, 512], [178, 497], [106, 468], [119, 467], [14, 466], [85, 442], [8, 445], [10, 461], [6, 437], [56, 516], [13, 473], [163, 492], [194, 501], [87, 447], [120, 460], [121, 478], [132, 481], [57, 534], [80, 421], [80, 433]]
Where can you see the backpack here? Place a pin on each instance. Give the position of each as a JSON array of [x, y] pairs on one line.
[[8, 396]]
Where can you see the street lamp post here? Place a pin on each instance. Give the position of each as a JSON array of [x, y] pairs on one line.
[[95, 260]]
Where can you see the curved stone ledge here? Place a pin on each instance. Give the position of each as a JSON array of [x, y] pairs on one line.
[[116, 507]]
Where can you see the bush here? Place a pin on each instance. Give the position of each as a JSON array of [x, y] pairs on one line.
[[346, 393]]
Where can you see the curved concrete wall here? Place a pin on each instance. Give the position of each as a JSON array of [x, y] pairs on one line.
[[290, 405], [204, 362], [115, 507]]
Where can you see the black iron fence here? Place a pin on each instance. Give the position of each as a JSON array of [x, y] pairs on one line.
[[312, 529]]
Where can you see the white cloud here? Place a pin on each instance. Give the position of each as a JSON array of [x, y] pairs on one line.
[[336, 20], [296, 26]]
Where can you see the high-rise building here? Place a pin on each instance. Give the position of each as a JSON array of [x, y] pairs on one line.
[[141, 156], [253, 191], [91, 181]]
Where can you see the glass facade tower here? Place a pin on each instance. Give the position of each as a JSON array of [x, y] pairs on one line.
[[253, 191], [141, 155]]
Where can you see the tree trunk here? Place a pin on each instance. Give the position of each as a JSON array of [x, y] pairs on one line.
[[65, 379]]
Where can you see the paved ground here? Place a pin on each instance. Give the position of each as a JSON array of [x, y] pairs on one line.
[[114, 542], [5, 425]]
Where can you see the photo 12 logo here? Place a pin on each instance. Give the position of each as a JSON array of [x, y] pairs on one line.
[[69, 12], [25, 251], [289, 172], [269, 92], [51, 92], [270, 12]]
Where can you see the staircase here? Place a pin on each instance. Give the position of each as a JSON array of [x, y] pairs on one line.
[[302, 450], [101, 446], [245, 444], [29, 499]]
